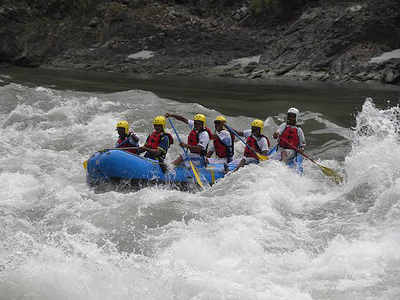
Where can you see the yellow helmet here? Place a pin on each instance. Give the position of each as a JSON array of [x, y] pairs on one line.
[[220, 119], [258, 123], [200, 117], [123, 124], [160, 120]]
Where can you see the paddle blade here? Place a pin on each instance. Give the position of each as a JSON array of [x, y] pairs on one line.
[[85, 164], [262, 157], [196, 175], [329, 172]]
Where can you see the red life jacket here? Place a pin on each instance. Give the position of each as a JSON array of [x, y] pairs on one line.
[[222, 150], [193, 139], [290, 134], [252, 142], [154, 139], [123, 143]]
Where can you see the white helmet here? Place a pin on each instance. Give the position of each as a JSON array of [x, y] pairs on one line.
[[294, 111]]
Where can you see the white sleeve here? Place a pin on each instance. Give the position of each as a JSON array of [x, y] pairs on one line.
[[132, 142], [302, 139], [263, 144], [225, 137], [190, 124], [203, 139], [281, 128], [212, 148], [247, 133]]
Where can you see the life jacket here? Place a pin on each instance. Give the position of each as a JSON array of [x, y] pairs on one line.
[[222, 150], [125, 143], [289, 134], [252, 142], [153, 142], [154, 139], [193, 139]]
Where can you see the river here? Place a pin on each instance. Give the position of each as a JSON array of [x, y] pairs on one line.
[[263, 232]]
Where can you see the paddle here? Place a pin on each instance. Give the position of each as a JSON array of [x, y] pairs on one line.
[[260, 156], [327, 171], [122, 148], [187, 156]]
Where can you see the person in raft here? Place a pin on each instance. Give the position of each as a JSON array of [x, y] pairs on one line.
[[198, 139], [158, 142], [126, 139], [222, 144], [290, 135], [256, 140]]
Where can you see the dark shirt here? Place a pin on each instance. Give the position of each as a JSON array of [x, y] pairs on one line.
[[163, 146]]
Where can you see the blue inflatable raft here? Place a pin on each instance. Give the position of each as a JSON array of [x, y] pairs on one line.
[[121, 170], [296, 163]]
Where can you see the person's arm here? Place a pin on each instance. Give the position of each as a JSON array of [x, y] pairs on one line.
[[133, 136], [264, 145], [236, 131], [162, 147], [302, 140], [225, 137], [279, 131], [212, 149], [202, 144], [247, 133], [178, 117], [155, 152], [192, 148], [142, 148]]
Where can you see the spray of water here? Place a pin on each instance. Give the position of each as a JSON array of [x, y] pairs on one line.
[[263, 232]]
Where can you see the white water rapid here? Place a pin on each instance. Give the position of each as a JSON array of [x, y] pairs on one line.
[[262, 233]]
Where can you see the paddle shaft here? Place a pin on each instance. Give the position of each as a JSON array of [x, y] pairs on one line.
[[121, 148], [187, 156], [327, 171], [179, 139], [123, 143], [251, 148], [297, 149]]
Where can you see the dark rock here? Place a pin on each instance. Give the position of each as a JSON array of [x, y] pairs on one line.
[[256, 74], [94, 22], [250, 67], [309, 40]]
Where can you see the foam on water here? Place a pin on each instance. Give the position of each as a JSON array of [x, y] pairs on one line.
[[263, 232]]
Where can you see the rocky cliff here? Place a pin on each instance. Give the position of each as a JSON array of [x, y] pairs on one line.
[[294, 39]]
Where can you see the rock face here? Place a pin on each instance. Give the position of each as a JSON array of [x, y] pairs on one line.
[[300, 40], [336, 43]]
